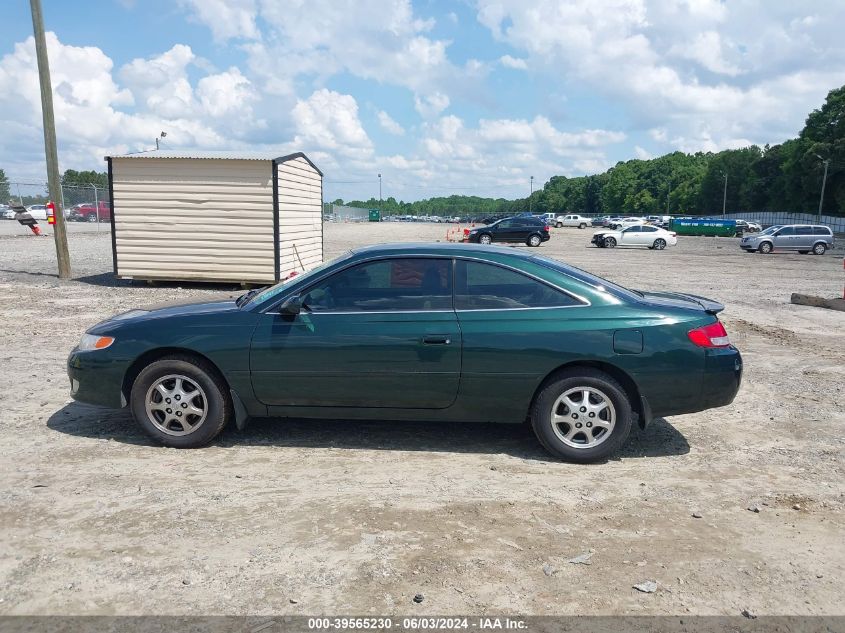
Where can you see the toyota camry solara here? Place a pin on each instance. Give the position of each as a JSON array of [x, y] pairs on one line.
[[418, 332]]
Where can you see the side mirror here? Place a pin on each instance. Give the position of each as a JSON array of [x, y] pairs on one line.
[[291, 306]]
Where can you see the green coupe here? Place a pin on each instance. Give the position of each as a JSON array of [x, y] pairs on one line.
[[450, 332]]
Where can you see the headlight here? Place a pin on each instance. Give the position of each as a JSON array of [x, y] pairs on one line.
[[93, 341]]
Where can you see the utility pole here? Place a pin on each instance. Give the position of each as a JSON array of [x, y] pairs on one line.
[[824, 182], [53, 182], [379, 194], [668, 194], [531, 195], [725, 195]]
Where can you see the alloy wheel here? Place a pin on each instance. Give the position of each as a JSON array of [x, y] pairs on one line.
[[534, 240], [485, 239], [610, 242], [660, 244], [176, 405], [819, 249], [583, 417]]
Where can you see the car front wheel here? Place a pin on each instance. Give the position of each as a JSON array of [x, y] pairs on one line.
[[180, 402], [534, 240], [485, 239], [819, 249], [765, 248], [583, 415], [610, 242]]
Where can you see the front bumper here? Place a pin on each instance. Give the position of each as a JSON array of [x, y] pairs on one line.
[[96, 378]]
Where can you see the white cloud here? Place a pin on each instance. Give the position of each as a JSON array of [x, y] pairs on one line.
[[226, 18], [226, 94], [707, 49], [513, 62], [328, 120], [431, 105], [389, 124], [642, 153]]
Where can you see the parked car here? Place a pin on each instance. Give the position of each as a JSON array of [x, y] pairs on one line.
[[637, 235], [444, 332], [88, 212], [38, 211], [573, 220], [791, 237], [754, 226], [621, 223], [6, 213], [520, 229]]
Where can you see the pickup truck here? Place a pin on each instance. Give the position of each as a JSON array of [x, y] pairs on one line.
[[90, 213]]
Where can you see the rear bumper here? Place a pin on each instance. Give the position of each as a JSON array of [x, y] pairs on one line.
[[721, 378]]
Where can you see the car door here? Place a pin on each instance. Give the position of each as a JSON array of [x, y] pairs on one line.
[[804, 238], [647, 235], [381, 333], [785, 238], [506, 230], [630, 236]]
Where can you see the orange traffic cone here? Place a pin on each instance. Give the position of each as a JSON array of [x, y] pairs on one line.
[[36, 229]]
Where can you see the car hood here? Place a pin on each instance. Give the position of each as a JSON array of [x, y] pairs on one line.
[[682, 300], [172, 309]]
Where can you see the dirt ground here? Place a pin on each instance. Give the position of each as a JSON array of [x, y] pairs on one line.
[[294, 517]]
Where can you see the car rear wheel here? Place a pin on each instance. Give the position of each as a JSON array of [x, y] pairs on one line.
[[180, 402], [819, 249], [582, 226], [559, 225], [485, 239], [534, 240], [610, 242], [765, 248], [92, 218], [659, 244], [582, 415]]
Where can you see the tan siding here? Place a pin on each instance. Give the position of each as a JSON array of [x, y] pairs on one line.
[[194, 219], [300, 216]]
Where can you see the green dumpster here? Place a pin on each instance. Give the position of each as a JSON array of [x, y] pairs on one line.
[[375, 215], [703, 226]]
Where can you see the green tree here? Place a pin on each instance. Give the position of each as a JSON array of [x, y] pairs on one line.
[[5, 192]]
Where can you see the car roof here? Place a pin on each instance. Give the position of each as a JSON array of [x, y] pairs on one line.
[[440, 248]]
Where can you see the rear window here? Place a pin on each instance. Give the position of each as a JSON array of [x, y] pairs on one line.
[[583, 276]]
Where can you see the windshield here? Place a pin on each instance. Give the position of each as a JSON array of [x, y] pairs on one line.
[[770, 230], [272, 291], [588, 278]]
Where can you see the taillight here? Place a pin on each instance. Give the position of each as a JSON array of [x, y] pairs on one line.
[[713, 335], [546, 228]]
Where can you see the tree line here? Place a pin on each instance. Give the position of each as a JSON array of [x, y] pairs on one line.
[[784, 177]]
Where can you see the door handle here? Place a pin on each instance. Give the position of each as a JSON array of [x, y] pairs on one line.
[[436, 339]]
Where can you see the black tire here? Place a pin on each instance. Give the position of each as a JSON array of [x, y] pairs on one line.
[[534, 240], [577, 378], [559, 225], [582, 226], [92, 218], [659, 244], [765, 248], [803, 252], [610, 242], [485, 238], [218, 405], [819, 249]]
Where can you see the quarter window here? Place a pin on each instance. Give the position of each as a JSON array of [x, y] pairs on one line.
[[480, 286], [385, 285]]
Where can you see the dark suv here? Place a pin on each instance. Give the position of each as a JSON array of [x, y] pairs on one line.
[[523, 229]]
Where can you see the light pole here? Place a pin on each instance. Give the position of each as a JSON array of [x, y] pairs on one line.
[[159, 137], [379, 194], [531, 194], [824, 182], [725, 195], [96, 206]]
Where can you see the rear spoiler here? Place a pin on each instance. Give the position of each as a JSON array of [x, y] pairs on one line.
[[710, 306]]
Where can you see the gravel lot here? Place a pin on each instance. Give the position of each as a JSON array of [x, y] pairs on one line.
[[357, 517]]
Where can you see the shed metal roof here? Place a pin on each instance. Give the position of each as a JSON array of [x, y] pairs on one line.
[[217, 155]]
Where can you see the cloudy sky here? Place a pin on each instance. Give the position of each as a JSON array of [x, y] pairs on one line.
[[440, 97]]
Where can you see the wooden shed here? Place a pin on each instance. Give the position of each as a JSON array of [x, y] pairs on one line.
[[215, 216]]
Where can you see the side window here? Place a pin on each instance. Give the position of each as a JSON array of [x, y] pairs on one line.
[[632, 229], [505, 224], [787, 230], [803, 230], [385, 285], [648, 229], [481, 286], [821, 230]]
